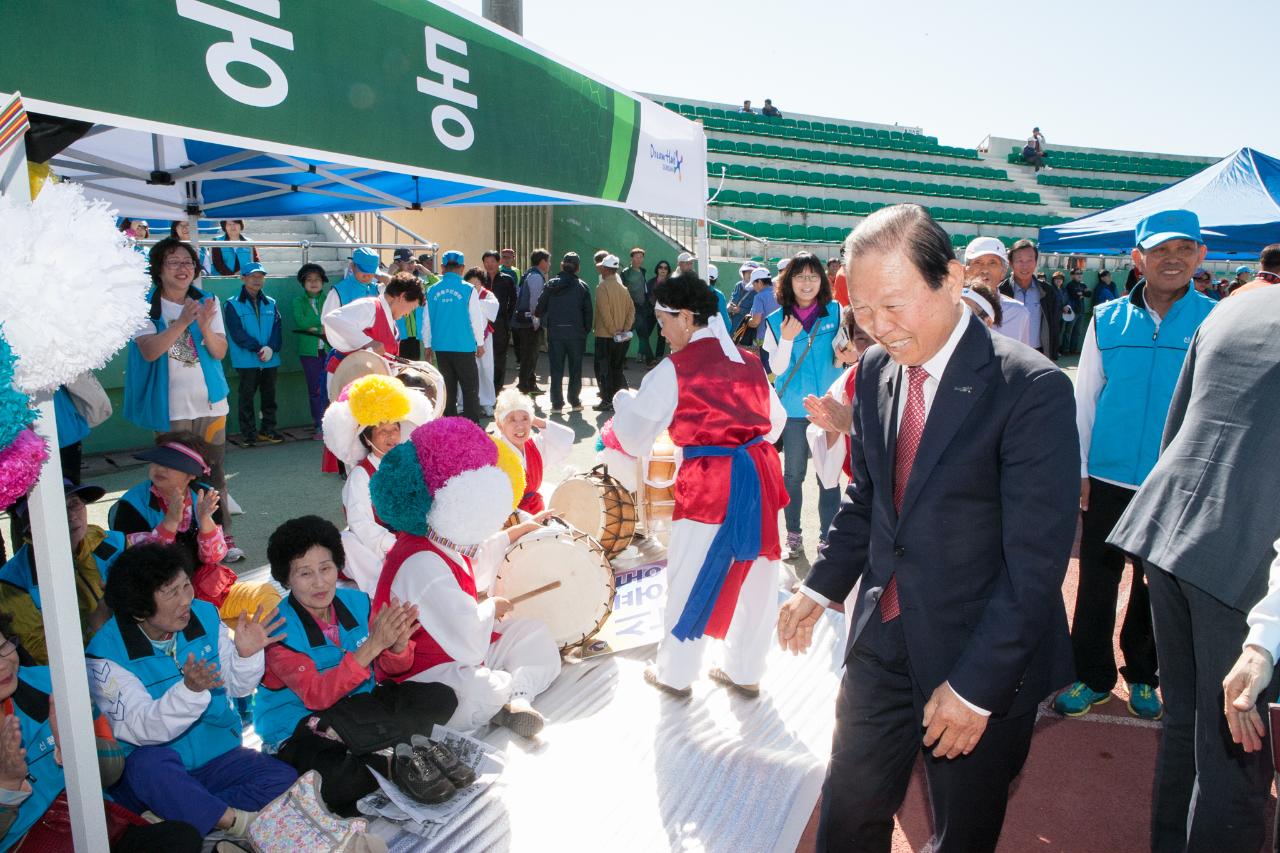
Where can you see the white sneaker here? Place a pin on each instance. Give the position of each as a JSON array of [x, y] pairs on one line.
[[234, 554], [233, 506]]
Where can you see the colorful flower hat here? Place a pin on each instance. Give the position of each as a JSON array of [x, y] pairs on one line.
[[369, 401]]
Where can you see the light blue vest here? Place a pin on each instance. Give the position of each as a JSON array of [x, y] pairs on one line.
[[234, 259], [31, 707], [723, 305], [217, 731], [146, 383], [1142, 367], [447, 311], [258, 325], [140, 497], [819, 369], [276, 712], [72, 426], [20, 571], [349, 290]]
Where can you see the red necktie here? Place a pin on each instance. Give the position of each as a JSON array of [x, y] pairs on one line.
[[909, 433]]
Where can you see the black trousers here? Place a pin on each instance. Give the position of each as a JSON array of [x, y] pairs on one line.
[[72, 457], [879, 736], [414, 708], [256, 380], [608, 359], [1210, 795], [527, 356], [1101, 566], [460, 369], [170, 836], [501, 342], [562, 352]]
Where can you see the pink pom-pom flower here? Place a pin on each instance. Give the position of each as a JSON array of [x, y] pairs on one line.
[[609, 438], [449, 446], [20, 465]]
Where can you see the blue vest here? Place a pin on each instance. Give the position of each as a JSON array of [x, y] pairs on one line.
[[31, 707], [1142, 367], [217, 731], [72, 427], [146, 383], [448, 304], [723, 305], [819, 369], [234, 259], [403, 324], [20, 571], [349, 290], [276, 712], [257, 325]]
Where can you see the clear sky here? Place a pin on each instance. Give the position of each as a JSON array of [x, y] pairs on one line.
[[1171, 76]]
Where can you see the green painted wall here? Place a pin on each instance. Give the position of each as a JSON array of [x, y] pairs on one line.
[[117, 434]]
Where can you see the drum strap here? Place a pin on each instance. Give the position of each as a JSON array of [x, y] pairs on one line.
[[737, 540]]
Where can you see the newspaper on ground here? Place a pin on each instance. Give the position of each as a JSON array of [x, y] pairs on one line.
[[426, 820]]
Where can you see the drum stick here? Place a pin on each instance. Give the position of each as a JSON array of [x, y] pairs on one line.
[[531, 593]]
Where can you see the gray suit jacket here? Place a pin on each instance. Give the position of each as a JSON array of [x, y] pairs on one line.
[[1207, 512]]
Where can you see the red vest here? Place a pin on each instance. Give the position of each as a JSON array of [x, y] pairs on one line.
[[726, 404], [849, 382], [532, 502], [426, 651], [383, 330]]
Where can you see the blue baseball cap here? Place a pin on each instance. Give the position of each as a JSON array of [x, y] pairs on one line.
[[1168, 225], [1245, 270], [253, 267], [451, 257], [365, 259]]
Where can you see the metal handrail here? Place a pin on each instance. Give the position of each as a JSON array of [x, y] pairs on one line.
[[305, 245]]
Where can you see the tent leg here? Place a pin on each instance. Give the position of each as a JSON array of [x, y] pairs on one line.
[[51, 542], [55, 573]]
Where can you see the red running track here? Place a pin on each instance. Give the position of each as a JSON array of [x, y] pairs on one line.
[[1086, 787]]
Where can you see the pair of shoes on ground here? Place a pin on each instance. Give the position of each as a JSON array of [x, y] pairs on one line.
[[794, 548], [429, 772], [1078, 699], [603, 407], [717, 675], [521, 717], [234, 554]]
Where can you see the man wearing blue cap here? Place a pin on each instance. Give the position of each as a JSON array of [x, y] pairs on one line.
[[1243, 274], [361, 280], [1130, 361], [254, 337], [454, 331]]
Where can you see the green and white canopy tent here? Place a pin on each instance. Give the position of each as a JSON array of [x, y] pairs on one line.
[[237, 108]]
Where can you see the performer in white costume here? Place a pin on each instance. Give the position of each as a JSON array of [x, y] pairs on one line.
[[722, 565], [542, 445]]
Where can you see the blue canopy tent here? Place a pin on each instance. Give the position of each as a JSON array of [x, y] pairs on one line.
[[1237, 200]]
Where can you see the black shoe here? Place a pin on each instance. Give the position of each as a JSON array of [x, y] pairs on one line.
[[270, 437], [555, 410], [601, 407], [248, 441], [459, 774], [419, 778]]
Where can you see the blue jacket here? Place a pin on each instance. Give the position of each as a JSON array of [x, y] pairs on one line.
[[1142, 365], [217, 731], [276, 712], [250, 327], [146, 383], [31, 707], [349, 290], [981, 603], [819, 369], [723, 305], [20, 571], [448, 310]]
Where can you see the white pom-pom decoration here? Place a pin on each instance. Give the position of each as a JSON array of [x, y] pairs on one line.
[[342, 431], [471, 506], [72, 289]]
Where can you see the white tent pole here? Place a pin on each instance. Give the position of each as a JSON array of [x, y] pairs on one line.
[[702, 246], [55, 574]]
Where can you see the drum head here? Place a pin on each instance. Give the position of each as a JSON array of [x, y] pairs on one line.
[[422, 377], [577, 500], [576, 610], [357, 364]]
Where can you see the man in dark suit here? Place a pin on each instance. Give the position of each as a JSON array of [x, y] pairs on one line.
[[1204, 523], [958, 523]]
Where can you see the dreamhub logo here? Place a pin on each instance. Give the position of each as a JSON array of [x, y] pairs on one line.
[[670, 160]]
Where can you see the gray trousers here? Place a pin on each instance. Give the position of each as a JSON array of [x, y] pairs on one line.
[[1210, 795]]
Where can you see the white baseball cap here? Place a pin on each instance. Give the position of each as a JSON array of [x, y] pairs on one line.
[[747, 267], [684, 258], [980, 246], [610, 261], [713, 272], [783, 263], [759, 273]]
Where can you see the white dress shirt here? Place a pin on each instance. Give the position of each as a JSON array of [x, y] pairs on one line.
[[1015, 319], [1264, 618], [345, 325], [935, 367]]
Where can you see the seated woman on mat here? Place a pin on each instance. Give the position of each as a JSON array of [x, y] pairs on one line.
[[33, 799], [164, 669], [370, 416], [540, 444], [172, 506], [319, 706]]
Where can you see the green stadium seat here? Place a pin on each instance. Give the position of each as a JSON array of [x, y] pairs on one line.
[[777, 231], [831, 205], [727, 197], [746, 198], [716, 112], [737, 170], [845, 181], [787, 153], [833, 234], [765, 200], [787, 176], [772, 151], [848, 206], [796, 233], [753, 173], [751, 149], [846, 159], [814, 234], [702, 111], [768, 173], [918, 188], [814, 204], [862, 208], [875, 184], [939, 213]]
